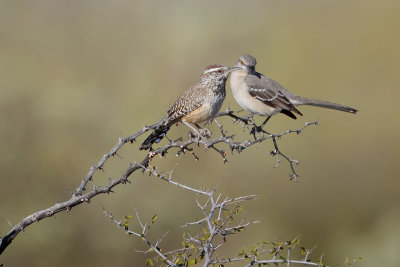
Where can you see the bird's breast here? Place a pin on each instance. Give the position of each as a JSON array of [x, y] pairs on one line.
[[245, 100], [207, 111]]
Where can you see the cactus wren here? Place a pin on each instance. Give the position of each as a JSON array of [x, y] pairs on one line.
[[263, 96], [200, 103]]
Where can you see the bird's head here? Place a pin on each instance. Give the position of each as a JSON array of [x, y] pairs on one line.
[[217, 72], [246, 63]]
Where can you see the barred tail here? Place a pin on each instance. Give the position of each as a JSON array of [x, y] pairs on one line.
[[154, 137]]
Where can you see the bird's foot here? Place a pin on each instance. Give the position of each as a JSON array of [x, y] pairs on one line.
[[201, 134], [204, 132], [256, 130], [259, 129]]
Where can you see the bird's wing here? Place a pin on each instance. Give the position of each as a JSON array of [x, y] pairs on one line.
[[269, 92], [189, 101]]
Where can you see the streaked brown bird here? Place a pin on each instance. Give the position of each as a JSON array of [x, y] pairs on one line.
[[200, 103], [263, 96]]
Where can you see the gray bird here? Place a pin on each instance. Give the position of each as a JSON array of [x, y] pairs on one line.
[[263, 96], [200, 103]]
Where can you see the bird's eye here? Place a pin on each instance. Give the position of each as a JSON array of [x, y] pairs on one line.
[[220, 71], [241, 62]]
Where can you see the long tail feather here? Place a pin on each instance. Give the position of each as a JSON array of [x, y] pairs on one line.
[[324, 104]]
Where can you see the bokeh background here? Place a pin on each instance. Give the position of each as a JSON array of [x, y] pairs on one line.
[[76, 75]]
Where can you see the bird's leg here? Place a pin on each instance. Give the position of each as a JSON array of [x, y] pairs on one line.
[[265, 122], [194, 130], [219, 126], [191, 127], [255, 128], [262, 126]]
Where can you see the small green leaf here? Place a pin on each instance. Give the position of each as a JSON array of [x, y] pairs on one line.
[[149, 262], [239, 229], [154, 218], [243, 253]]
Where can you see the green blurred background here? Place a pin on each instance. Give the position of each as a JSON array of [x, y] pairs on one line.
[[76, 75]]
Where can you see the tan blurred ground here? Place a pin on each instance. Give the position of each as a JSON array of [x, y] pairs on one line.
[[75, 75]]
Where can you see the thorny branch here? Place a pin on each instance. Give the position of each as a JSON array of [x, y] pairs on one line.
[[181, 145], [218, 221]]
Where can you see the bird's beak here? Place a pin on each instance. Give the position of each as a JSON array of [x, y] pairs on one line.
[[233, 69], [230, 70]]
